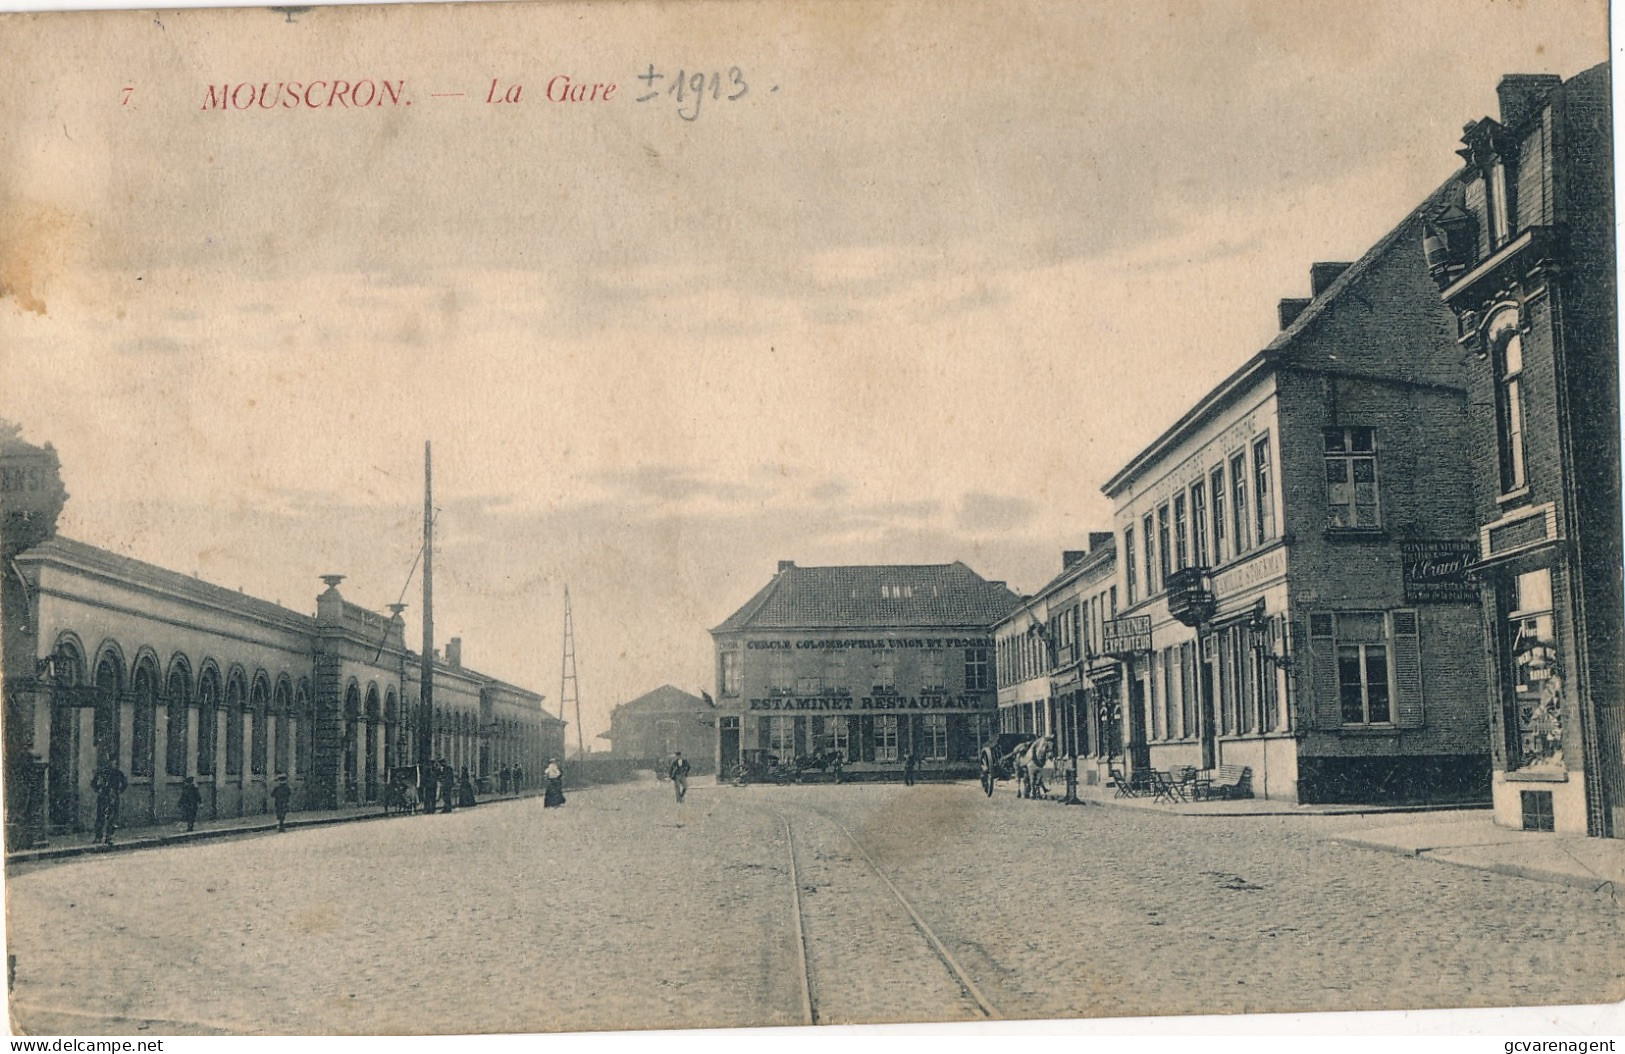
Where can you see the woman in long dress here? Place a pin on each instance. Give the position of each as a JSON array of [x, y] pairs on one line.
[[555, 784]]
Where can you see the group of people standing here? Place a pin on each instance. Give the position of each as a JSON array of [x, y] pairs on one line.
[[440, 782]]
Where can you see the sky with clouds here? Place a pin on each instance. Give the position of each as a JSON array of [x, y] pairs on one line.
[[913, 297]]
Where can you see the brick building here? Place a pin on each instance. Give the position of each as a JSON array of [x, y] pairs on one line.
[[1523, 253], [1054, 677], [1293, 553], [875, 662], [651, 727]]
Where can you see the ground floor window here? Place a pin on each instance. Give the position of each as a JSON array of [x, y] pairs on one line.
[[840, 736], [1536, 674], [886, 737], [934, 736], [781, 736], [1362, 684]]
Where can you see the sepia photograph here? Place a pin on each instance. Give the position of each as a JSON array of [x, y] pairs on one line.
[[598, 517]]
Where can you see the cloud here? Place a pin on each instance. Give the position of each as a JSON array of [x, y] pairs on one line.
[[979, 512]]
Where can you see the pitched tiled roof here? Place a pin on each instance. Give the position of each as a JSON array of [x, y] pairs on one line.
[[666, 697], [855, 597], [1281, 347]]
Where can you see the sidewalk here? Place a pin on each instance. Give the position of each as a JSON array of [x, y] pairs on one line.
[[81, 844], [1473, 840], [1461, 836]]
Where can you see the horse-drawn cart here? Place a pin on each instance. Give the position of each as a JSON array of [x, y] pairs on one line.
[[1000, 755], [401, 792]]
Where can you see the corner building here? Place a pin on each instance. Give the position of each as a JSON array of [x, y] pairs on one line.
[[876, 662], [1523, 254], [1293, 555]]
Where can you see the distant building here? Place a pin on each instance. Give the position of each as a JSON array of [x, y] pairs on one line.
[[656, 724], [1054, 679], [1293, 550], [1523, 253], [875, 662]]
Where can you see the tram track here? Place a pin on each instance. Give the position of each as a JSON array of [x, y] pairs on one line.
[[816, 982]]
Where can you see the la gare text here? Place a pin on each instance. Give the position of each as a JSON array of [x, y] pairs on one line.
[[371, 94]]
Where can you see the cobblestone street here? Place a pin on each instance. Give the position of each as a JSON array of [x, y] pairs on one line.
[[624, 910]]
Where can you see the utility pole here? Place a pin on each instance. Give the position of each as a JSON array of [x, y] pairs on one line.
[[569, 689], [426, 676]]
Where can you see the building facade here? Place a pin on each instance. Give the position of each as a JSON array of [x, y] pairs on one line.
[[1292, 555], [169, 677], [1523, 254], [657, 724], [1054, 677], [875, 662]]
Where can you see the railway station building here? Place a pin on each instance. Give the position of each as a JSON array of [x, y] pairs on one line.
[[1293, 554], [1523, 254], [108, 658], [874, 662]]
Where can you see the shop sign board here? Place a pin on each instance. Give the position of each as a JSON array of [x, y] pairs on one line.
[[1436, 572], [1126, 635]]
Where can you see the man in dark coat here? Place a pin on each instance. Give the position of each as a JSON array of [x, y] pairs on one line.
[[108, 783], [679, 775], [448, 788], [191, 798], [908, 769], [428, 775], [279, 798]]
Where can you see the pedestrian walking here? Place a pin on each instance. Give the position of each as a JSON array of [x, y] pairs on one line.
[[191, 798], [504, 777], [279, 800], [518, 779], [555, 784], [465, 790], [839, 765], [908, 769], [679, 775], [108, 783], [448, 788]]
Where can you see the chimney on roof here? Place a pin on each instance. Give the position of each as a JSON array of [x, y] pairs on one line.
[[1322, 275], [1290, 308], [1522, 94], [1072, 556], [1099, 538], [786, 565], [454, 653]]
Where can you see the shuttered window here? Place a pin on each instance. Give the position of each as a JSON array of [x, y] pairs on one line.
[[1366, 669]]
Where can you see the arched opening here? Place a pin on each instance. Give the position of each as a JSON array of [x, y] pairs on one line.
[[144, 721], [109, 691], [352, 715], [236, 696], [394, 738], [259, 702], [370, 754], [63, 750], [177, 703], [282, 712], [208, 720]]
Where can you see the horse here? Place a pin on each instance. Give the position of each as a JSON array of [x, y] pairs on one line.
[[1030, 763]]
